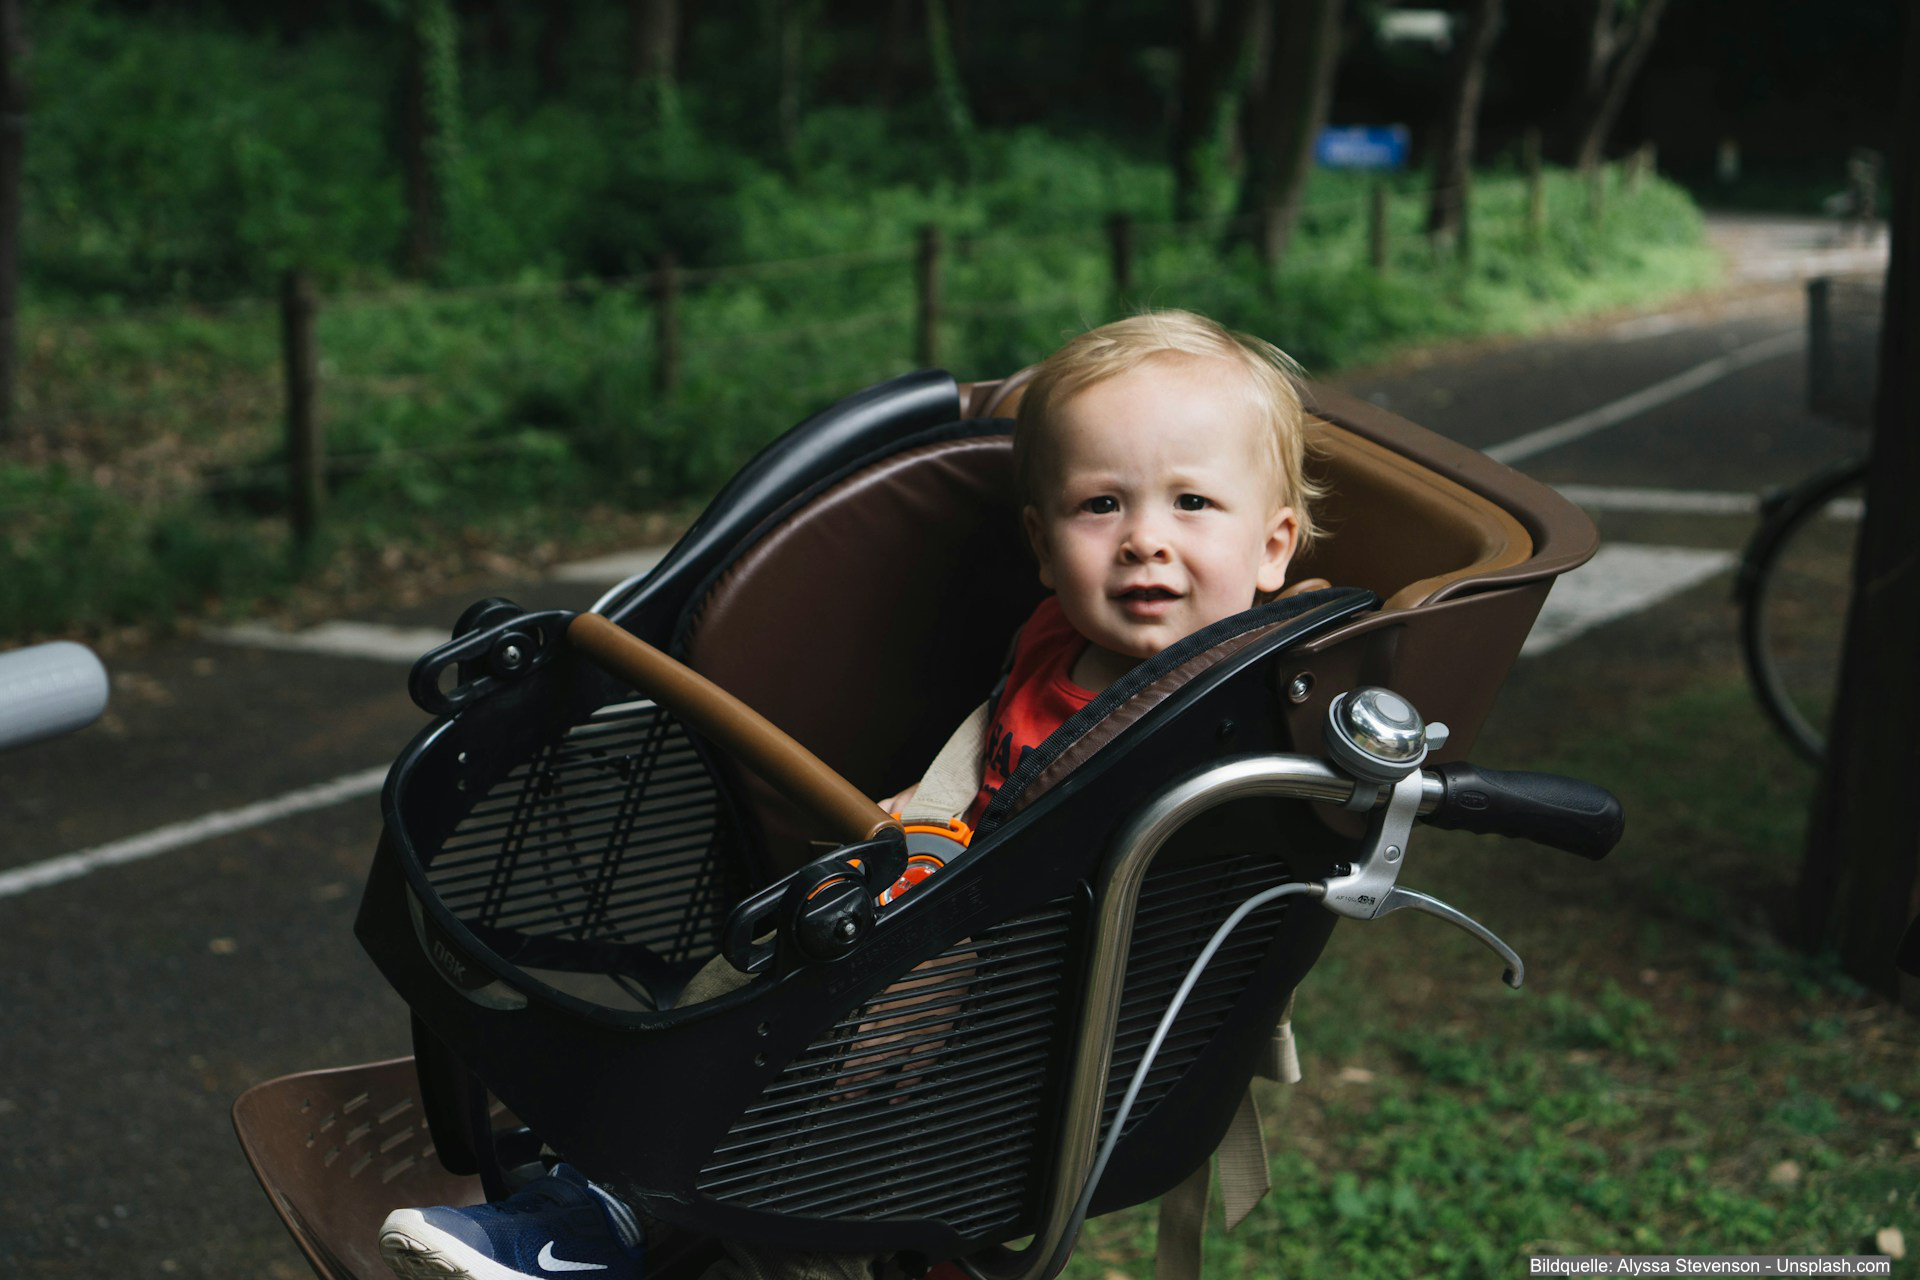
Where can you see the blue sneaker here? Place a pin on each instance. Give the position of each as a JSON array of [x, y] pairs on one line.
[[559, 1225]]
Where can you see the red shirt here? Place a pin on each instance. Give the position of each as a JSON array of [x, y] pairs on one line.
[[1039, 697]]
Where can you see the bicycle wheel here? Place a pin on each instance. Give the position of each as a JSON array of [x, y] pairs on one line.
[[1795, 584]]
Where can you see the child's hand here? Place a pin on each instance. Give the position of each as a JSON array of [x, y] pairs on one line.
[[899, 803]]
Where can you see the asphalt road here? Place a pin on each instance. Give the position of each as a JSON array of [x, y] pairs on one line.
[[140, 999]]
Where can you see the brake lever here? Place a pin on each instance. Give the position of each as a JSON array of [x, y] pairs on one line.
[[1399, 899], [1379, 740]]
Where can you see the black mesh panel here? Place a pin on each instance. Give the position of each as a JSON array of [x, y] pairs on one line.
[[605, 852], [924, 1103]]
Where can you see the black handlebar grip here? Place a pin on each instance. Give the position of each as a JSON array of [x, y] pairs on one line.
[[1559, 812]]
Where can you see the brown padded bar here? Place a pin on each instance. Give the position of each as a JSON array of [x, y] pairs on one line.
[[1397, 528], [730, 724], [1560, 535]]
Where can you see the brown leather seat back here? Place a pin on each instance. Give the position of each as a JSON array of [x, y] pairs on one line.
[[871, 621]]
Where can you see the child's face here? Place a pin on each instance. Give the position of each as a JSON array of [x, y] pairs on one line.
[[1158, 510]]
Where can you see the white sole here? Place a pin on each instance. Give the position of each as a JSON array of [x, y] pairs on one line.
[[413, 1250]]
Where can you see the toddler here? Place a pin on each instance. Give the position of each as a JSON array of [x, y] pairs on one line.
[[1161, 462]]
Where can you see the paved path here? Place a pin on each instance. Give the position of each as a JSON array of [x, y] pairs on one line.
[[144, 991]]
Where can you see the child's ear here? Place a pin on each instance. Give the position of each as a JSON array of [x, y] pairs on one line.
[[1283, 535], [1037, 539]]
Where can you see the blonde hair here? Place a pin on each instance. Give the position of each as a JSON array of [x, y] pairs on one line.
[[1272, 386]]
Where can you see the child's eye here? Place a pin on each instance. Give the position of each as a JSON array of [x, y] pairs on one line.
[[1192, 502], [1100, 506]]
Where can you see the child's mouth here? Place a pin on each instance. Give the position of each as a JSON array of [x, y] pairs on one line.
[[1146, 602]]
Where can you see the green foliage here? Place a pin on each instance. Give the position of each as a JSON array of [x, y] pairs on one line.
[[73, 555], [172, 163]]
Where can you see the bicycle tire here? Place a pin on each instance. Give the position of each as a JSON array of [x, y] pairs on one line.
[[1794, 587]]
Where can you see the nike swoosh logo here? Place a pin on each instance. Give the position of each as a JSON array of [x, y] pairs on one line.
[[550, 1263]]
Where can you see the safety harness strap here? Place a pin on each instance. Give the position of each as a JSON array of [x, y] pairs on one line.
[[953, 779], [1243, 1168]]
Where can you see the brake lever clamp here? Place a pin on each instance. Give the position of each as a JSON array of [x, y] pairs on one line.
[[1376, 737], [1360, 890], [1379, 739]]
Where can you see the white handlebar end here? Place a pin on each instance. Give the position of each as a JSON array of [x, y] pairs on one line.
[[49, 689]]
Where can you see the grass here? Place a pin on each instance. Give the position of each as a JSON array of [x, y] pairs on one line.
[[1670, 1080]]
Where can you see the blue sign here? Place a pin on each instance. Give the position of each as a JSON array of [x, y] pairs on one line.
[[1362, 147]]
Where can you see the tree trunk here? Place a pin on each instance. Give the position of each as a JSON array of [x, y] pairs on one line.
[[1860, 881], [1453, 156], [13, 135], [895, 60], [1213, 46], [655, 25], [656, 40], [951, 92], [791, 19], [429, 130], [1615, 52], [1286, 107], [497, 34], [551, 52]]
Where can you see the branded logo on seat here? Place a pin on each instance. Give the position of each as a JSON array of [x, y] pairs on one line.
[[450, 964]]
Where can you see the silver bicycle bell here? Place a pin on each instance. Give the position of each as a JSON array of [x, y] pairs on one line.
[[1377, 736]]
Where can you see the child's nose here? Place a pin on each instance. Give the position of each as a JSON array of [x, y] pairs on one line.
[[1144, 543]]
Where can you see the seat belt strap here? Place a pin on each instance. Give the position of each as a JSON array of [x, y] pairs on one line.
[[1183, 1218], [953, 779], [1244, 1178], [1243, 1162], [1282, 1059]]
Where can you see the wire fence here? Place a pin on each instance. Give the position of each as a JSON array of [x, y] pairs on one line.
[[279, 400]]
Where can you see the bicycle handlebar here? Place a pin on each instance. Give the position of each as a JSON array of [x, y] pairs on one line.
[[1559, 812], [49, 689]]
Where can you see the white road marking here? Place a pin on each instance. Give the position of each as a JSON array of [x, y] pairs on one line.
[[617, 567], [1621, 579], [1631, 406], [379, 641], [71, 866], [1687, 502], [382, 642]]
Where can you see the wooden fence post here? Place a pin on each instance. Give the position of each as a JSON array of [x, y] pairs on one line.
[[1536, 188], [1464, 245], [1377, 227], [665, 287], [306, 449], [1640, 167], [927, 339], [1120, 237]]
